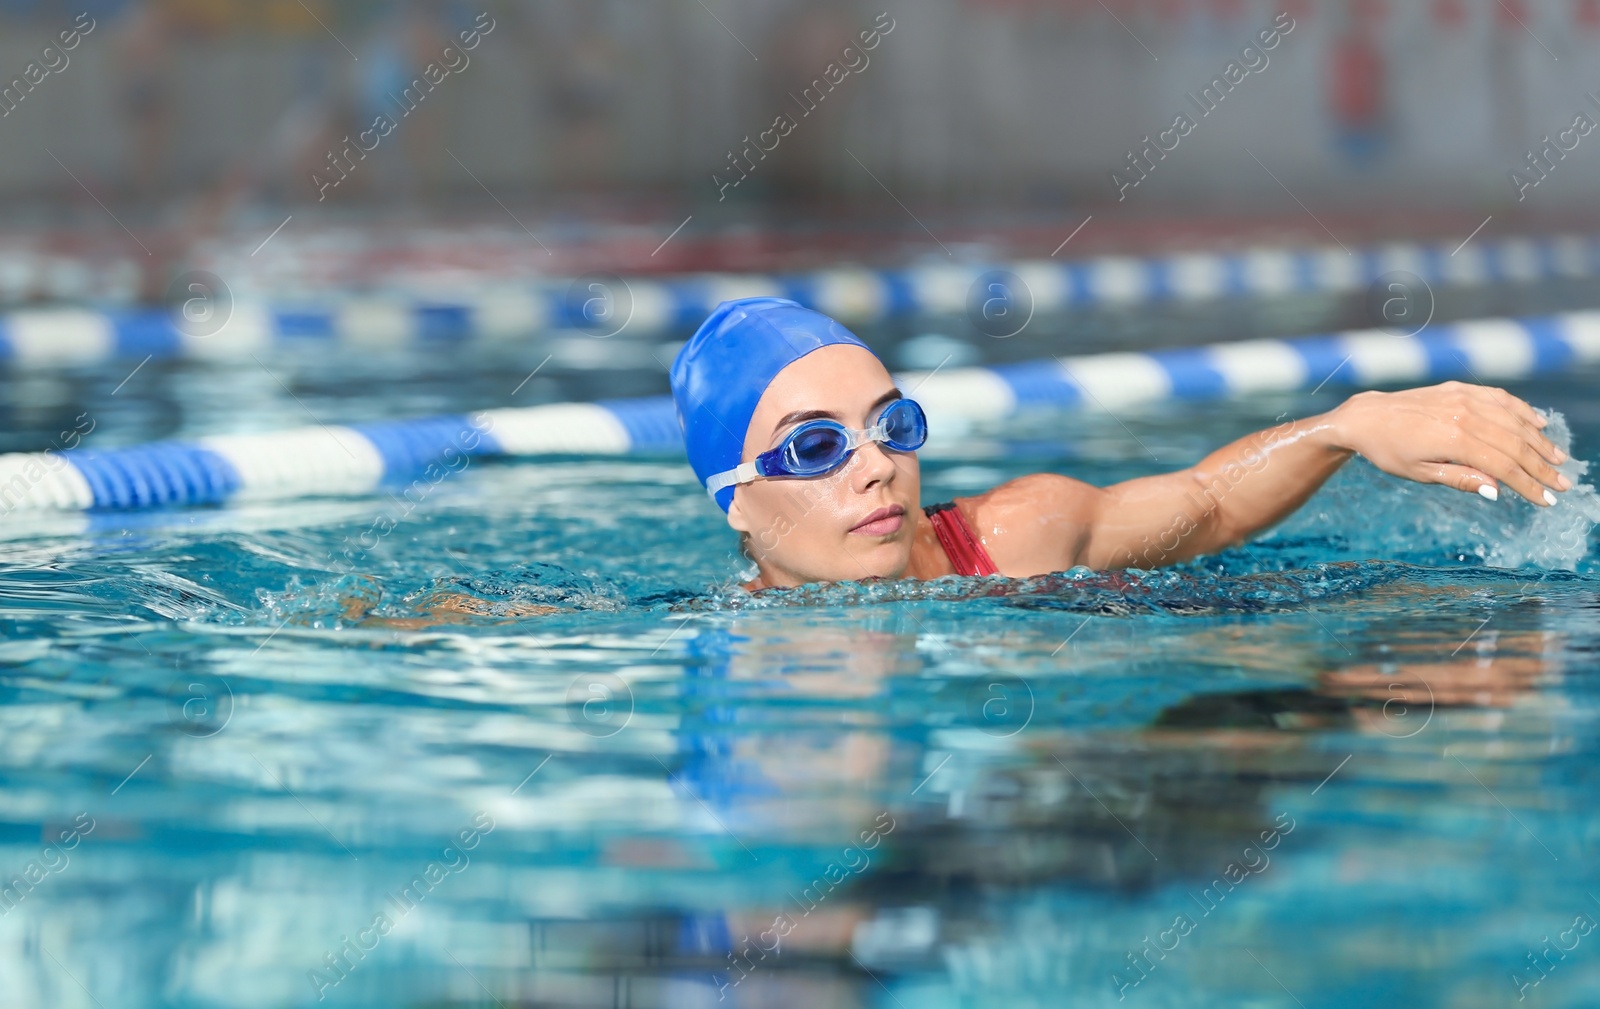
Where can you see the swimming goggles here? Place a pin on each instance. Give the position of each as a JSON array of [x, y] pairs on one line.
[[822, 446]]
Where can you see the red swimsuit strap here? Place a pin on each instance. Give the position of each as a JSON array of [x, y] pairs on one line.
[[964, 549]]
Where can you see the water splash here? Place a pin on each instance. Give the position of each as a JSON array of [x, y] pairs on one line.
[[1556, 537]]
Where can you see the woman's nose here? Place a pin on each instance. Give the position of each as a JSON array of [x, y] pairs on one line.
[[871, 465]]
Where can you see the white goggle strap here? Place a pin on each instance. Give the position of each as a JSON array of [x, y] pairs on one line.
[[742, 473]]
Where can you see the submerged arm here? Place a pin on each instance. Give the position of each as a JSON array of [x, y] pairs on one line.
[[1463, 436], [437, 609]]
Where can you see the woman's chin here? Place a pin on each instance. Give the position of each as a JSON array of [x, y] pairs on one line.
[[885, 559], [852, 562]]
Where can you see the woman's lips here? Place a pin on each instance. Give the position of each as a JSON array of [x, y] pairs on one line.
[[883, 522]]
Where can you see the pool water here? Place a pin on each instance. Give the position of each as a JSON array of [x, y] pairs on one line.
[[243, 763]]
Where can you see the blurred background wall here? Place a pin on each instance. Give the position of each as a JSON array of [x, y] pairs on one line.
[[596, 106]]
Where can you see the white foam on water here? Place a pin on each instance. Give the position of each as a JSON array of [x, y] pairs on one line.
[[1556, 537]]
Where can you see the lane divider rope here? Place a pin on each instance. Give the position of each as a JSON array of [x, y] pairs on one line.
[[655, 306], [360, 458]]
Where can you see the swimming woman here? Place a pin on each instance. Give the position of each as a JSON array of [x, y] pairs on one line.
[[797, 431]]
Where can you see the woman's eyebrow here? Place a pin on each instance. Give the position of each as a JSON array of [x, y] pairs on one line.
[[798, 416], [802, 415]]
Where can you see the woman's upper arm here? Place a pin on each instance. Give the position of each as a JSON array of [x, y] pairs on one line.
[[1036, 524]]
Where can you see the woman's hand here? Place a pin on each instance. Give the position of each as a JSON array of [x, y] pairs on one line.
[[1470, 437]]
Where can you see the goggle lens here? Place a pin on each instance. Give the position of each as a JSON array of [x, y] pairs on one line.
[[905, 427], [817, 449]]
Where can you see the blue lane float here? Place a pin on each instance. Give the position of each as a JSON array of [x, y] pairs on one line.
[[648, 307], [357, 459]]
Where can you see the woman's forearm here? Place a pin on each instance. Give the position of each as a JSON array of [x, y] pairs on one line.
[[1259, 480], [1235, 491]]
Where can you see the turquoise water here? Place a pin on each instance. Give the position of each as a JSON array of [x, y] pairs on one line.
[[1348, 764]]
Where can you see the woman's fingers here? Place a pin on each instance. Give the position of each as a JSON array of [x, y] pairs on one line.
[[1522, 452], [1492, 467], [1519, 408], [1514, 415], [1462, 478]]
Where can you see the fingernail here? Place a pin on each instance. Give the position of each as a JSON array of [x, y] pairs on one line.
[[1489, 491], [1561, 456], [1549, 498], [1563, 482]]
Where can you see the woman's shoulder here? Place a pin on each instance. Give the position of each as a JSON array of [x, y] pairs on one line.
[[1034, 523]]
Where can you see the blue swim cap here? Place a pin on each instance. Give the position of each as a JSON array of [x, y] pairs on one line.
[[720, 374]]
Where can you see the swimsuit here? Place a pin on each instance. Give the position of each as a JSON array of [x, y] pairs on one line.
[[964, 549]]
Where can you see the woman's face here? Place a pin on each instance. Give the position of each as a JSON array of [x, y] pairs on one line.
[[856, 522]]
